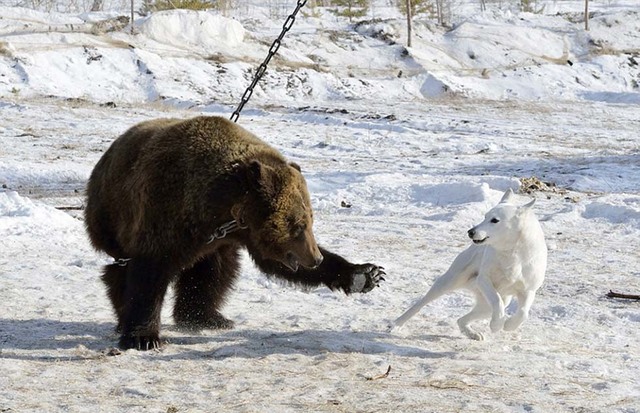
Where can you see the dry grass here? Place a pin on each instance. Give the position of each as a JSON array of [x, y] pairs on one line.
[[534, 184], [4, 50]]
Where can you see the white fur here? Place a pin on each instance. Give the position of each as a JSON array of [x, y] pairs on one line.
[[508, 259]]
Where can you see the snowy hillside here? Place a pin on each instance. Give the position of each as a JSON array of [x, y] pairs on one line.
[[404, 149], [191, 56]]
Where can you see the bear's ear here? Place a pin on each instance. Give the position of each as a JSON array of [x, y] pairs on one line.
[[295, 166], [261, 177]]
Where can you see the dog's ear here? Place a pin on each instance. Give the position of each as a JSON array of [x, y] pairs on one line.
[[526, 207], [529, 204], [507, 196]]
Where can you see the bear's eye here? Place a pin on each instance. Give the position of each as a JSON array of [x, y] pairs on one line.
[[298, 231], [494, 220]]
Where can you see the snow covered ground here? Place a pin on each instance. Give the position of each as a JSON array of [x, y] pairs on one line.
[[399, 166]]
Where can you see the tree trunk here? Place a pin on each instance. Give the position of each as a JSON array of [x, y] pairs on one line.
[[586, 15], [97, 5], [408, 23], [440, 12]]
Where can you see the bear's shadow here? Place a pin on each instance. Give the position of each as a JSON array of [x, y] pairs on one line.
[[41, 337]]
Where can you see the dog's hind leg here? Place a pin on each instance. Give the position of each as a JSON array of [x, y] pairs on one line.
[[459, 274]]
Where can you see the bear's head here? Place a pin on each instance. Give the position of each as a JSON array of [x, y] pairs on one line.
[[279, 216]]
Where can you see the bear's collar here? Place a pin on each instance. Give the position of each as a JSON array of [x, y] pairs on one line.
[[219, 233]]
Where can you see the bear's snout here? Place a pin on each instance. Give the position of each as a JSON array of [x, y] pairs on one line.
[[319, 260], [471, 233], [311, 260]]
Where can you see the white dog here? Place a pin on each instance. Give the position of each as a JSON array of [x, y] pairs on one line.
[[508, 258]]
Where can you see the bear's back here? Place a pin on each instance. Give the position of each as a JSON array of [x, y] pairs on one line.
[[165, 168], [204, 142]]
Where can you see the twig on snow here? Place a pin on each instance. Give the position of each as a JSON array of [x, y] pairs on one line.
[[380, 376], [612, 294]]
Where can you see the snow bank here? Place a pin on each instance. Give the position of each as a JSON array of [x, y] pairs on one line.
[[24, 19], [20, 215], [199, 31], [14, 174]]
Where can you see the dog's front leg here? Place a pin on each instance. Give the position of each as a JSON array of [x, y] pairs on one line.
[[481, 310], [525, 300], [494, 299]]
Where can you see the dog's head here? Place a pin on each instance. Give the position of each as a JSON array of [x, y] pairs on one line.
[[503, 223]]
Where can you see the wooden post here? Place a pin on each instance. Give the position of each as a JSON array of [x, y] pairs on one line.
[[408, 23], [586, 15], [131, 17], [97, 5]]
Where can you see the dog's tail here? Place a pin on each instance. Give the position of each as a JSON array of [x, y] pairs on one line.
[[411, 312], [461, 271]]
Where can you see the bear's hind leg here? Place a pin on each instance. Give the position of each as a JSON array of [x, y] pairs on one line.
[[115, 278], [201, 291], [146, 285]]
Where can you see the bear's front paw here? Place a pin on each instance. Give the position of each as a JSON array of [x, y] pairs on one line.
[[140, 342], [365, 277]]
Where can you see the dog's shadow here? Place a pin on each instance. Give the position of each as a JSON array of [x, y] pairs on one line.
[[260, 343], [53, 340]]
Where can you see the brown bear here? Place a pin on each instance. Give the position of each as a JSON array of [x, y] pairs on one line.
[[174, 201]]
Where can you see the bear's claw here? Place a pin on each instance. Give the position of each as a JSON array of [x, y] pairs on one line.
[[143, 343], [366, 277]]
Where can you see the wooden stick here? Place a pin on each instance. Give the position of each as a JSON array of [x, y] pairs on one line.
[[611, 294], [380, 376]]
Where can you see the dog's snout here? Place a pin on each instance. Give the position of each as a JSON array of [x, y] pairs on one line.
[[471, 232]]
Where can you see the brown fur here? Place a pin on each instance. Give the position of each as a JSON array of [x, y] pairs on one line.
[[165, 186]]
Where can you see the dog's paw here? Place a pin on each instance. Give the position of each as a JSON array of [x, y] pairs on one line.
[[497, 323], [513, 322], [472, 334], [393, 328]]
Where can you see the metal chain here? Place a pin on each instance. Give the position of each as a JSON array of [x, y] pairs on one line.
[[263, 66], [122, 262], [219, 233], [225, 229]]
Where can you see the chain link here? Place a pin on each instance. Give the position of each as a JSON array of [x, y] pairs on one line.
[[122, 262], [219, 233], [263, 66], [225, 229]]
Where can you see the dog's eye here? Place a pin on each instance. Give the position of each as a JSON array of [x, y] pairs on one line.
[[494, 220]]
